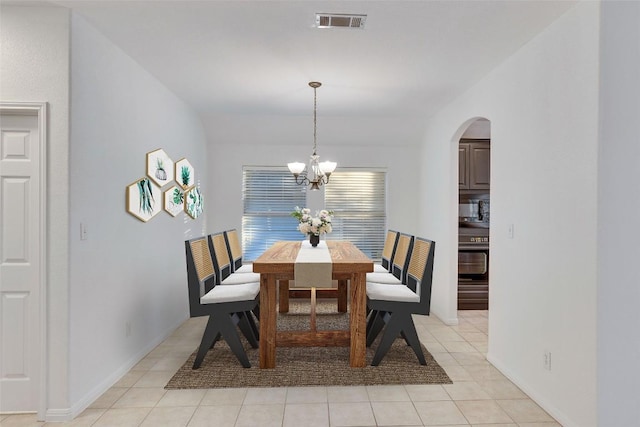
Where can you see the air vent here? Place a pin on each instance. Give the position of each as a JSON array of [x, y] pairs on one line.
[[332, 20]]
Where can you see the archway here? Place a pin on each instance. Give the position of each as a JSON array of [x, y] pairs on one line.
[[472, 140]]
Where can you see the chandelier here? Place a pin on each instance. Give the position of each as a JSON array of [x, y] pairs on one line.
[[317, 173]]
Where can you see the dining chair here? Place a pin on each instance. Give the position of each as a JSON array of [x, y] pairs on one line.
[[398, 270], [391, 307], [235, 252], [223, 265], [388, 251], [226, 306]]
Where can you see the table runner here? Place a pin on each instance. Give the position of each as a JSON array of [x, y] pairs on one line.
[[313, 266]]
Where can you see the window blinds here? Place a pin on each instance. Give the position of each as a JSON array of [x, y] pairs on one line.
[[358, 199], [269, 196]]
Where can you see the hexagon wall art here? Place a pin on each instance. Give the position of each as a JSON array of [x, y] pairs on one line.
[[174, 200], [185, 174], [143, 199], [159, 167], [193, 205]]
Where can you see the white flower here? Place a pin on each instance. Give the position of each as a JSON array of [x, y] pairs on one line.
[[307, 224]]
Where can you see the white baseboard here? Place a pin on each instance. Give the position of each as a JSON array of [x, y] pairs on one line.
[[542, 401], [82, 404], [58, 415], [449, 321]]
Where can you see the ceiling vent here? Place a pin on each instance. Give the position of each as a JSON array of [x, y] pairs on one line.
[[333, 20]]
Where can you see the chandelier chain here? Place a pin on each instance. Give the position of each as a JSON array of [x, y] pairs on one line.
[[315, 109]]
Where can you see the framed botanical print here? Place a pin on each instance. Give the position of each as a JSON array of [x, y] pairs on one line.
[[143, 199], [185, 174], [193, 205], [160, 167], [174, 200]]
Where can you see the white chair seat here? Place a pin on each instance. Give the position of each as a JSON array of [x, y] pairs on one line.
[[237, 279], [378, 268], [245, 268], [384, 292], [241, 292], [387, 278]]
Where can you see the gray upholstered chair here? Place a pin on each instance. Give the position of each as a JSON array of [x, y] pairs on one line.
[[391, 307], [388, 251], [398, 270], [235, 252], [226, 306]]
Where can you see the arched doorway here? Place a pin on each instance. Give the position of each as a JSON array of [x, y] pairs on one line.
[[474, 201]]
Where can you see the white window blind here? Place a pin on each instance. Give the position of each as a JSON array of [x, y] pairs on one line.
[[269, 196], [358, 199]]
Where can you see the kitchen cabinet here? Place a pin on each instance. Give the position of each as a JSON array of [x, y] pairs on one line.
[[474, 157]]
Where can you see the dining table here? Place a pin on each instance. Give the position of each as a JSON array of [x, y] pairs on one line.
[[277, 264]]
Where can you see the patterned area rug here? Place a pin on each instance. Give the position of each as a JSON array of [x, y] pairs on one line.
[[307, 366]]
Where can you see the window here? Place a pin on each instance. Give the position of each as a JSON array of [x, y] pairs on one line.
[[358, 199], [269, 196]]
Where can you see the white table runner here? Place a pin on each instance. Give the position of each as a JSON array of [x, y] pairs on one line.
[[313, 266]]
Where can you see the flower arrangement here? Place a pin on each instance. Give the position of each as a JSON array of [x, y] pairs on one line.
[[313, 225]]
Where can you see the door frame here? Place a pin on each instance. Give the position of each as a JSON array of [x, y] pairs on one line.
[[39, 109]]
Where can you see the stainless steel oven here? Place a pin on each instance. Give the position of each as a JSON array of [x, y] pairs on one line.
[[473, 268], [473, 263]]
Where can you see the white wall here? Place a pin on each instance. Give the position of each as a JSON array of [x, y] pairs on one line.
[[619, 203], [34, 65], [248, 140], [543, 106], [126, 271]]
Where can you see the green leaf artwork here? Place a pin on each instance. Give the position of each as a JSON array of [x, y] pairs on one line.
[[147, 200], [178, 196], [186, 175]]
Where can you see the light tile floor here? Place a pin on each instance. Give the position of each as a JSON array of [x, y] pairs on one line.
[[479, 396]]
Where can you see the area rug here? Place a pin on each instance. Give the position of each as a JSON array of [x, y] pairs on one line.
[[308, 366]]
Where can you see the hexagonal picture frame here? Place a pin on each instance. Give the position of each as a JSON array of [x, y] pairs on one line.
[[193, 204], [160, 167], [185, 174], [143, 199], [174, 200]]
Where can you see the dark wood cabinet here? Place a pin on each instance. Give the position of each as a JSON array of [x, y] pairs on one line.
[[474, 160]]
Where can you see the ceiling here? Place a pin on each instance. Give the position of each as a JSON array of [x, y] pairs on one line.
[[256, 57]]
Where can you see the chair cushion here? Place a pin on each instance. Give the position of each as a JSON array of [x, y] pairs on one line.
[[384, 292], [235, 279], [244, 268], [383, 278], [241, 292], [378, 268]]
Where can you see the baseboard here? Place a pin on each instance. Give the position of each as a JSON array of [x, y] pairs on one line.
[[543, 402], [77, 408], [449, 321], [58, 415]]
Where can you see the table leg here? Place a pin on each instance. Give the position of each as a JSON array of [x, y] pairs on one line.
[[357, 320], [283, 306], [342, 296], [267, 321]]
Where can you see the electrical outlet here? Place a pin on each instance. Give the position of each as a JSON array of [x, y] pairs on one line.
[[510, 231], [127, 327], [547, 360], [83, 231]]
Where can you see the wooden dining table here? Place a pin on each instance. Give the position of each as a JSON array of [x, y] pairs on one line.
[[278, 264]]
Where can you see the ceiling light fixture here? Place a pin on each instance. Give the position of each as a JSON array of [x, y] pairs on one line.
[[317, 173]]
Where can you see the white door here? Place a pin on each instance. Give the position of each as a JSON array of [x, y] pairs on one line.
[[21, 272]]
